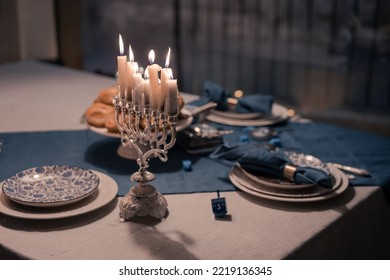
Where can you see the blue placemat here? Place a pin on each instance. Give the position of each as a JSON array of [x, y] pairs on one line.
[[87, 149]]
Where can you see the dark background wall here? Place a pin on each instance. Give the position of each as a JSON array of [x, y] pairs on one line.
[[329, 60], [325, 53]]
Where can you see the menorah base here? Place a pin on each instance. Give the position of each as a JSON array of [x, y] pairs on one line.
[[142, 200]]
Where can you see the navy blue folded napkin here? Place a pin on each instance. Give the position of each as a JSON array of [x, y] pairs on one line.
[[270, 163], [256, 103], [214, 92]]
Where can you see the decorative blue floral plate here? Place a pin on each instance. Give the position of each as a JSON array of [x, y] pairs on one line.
[[50, 186]]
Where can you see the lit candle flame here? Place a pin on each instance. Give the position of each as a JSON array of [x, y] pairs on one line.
[[131, 54], [151, 56], [121, 48], [168, 57]]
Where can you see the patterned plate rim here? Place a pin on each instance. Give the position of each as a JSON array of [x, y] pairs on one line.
[[56, 202], [98, 199]]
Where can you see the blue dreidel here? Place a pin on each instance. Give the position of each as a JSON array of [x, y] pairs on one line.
[[244, 138], [275, 141], [187, 165], [219, 206]]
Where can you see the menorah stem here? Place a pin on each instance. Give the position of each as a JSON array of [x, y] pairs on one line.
[[137, 149]]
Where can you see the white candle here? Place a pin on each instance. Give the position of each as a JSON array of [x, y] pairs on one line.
[[138, 80], [146, 88], [166, 74], [172, 98], [138, 90], [121, 59], [154, 83], [132, 67], [138, 96], [164, 87]]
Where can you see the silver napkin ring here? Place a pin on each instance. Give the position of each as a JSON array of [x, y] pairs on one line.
[[289, 171]]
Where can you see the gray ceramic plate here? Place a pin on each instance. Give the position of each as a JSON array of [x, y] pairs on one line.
[[273, 182], [279, 114], [310, 194]]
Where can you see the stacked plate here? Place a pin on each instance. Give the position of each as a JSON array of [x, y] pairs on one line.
[[279, 114], [282, 190], [55, 191]]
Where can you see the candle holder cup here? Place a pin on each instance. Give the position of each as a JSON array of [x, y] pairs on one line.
[[154, 140]]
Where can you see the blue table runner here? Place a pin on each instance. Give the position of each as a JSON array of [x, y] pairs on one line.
[[93, 151], [87, 149]]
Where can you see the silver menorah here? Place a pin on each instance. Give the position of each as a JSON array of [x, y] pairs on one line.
[[153, 139]]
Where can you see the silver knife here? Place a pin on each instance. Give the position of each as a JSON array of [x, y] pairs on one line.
[[355, 170]]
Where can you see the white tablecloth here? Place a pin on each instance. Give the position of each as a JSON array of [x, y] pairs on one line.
[[37, 97]]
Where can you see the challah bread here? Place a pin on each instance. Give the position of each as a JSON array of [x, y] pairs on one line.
[[97, 113]]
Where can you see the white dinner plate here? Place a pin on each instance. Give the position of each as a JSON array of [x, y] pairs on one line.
[[279, 114], [50, 186], [180, 125], [340, 184], [104, 194]]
